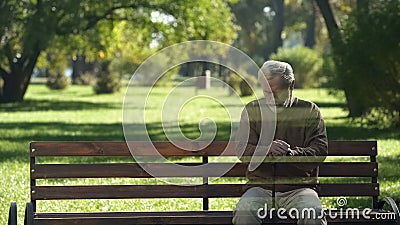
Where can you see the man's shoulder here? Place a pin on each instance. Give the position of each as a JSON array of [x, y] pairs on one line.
[[255, 103], [303, 103], [298, 103]]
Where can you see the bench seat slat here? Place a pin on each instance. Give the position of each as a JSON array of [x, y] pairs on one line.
[[182, 217], [348, 169], [136, 220], [98, 148], [134, 214], [133, 170], [173, 191]]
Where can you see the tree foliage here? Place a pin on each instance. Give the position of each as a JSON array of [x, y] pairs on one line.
[[254, 36], [370, 57], [307, 64], [367, 58], [264, 24], [58, 81], [29, 27], [108, 82]]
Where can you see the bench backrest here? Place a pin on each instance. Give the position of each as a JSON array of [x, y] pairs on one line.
[[73, 168]]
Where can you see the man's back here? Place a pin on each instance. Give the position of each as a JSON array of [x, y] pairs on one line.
[[302, 127]]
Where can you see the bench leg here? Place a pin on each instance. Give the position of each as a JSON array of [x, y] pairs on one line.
[[393, 205], [28, 214], [12, 215]]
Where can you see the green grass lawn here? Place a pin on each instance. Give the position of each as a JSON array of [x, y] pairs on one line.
[[78, 114]]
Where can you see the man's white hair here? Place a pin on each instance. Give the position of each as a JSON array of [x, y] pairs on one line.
[[272, 67]]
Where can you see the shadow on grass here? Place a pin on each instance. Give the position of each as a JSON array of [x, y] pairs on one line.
[[14, 155], [349, 132], [330, 104], [52, 131], [54, 105], [389, 175], [57, 131], [190, 131], [386, 168], [319, 104]]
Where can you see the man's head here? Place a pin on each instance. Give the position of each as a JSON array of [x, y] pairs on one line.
[[280, 78]]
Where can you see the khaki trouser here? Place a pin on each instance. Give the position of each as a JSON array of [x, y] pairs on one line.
[[298, 203]]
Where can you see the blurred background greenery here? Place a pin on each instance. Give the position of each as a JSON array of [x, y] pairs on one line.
[[348, 45]]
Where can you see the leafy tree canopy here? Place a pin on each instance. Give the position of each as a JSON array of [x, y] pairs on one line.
[[93, 27]]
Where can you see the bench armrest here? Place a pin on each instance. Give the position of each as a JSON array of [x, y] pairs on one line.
[[394, 207], [12, 215], [28, 220]]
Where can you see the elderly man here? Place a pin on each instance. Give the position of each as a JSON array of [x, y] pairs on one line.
[[300, 135]]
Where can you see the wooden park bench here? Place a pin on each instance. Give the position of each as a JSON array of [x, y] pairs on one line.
[[39, 171]]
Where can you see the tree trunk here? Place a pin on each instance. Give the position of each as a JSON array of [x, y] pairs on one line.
[[330, 21], [355, 101], [79, 67], [16, 82], [310, 29], [15, 86], [278, 22]]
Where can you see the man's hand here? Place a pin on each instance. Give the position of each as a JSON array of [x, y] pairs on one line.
[[279, 148]]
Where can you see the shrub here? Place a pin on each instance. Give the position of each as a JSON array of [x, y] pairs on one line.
[[328, 74], [110, 83], [86, 78], [241, 86], [381, 118], [306, 63], [107, 82], [368, 72], [58, 81], [168, 78]]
